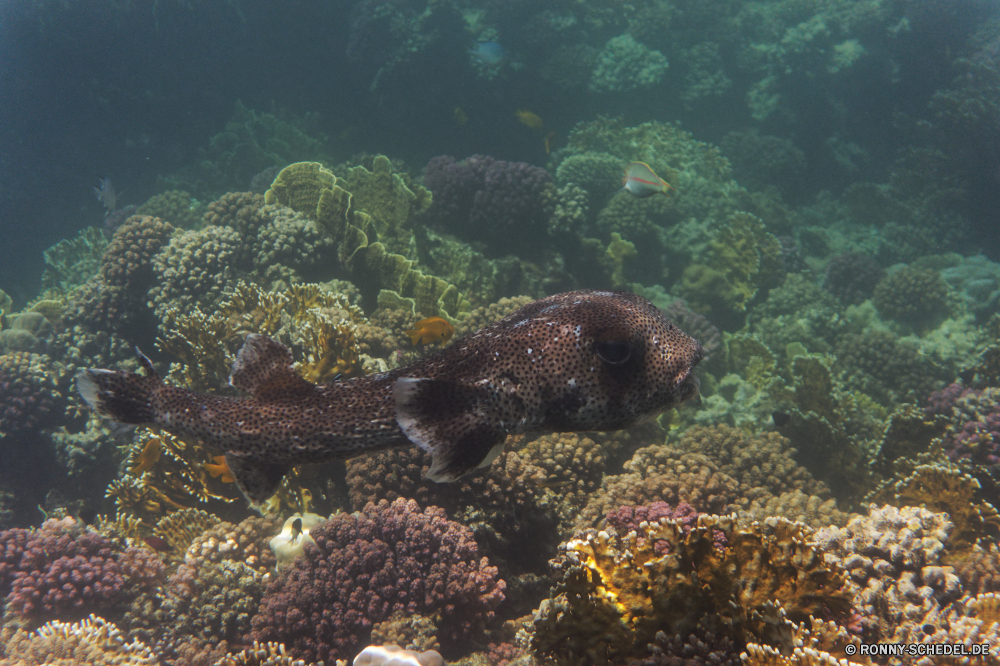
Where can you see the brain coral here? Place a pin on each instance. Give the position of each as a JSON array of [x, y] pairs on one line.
[[365, 566]]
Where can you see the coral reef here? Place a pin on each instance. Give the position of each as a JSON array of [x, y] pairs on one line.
[[64, 569], [71, 262], [895, 573], [912, 296], [29, 391], [115, 297], [626, 64], [194, 270], [613, 594], [507, 205], [852, 277], [177, 207], [93, 640], [365, 566], [409, 631]]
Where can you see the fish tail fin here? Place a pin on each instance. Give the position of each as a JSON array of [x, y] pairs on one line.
[[126, 397]]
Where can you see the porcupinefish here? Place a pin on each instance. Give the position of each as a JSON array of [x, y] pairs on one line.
[[577, 361]]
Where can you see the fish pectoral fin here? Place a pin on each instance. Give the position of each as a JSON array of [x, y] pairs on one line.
[[263, 368], [460, 425], [258, 480]]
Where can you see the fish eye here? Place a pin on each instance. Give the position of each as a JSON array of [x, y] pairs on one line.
[[614, 353]]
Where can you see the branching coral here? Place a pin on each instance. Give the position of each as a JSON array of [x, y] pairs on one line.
[[614, 594], [93, 641], [317, 323], [365, 566]]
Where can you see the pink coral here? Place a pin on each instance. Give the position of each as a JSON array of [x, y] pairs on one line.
[[367, 565], [66, 569]]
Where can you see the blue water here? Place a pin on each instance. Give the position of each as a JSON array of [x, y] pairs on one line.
[[835, 171]]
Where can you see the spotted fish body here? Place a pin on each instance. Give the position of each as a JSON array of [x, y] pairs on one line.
[[577, 361]]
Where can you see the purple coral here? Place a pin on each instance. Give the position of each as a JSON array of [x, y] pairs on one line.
[[65, 568], [628, 518], [505, 204], [367, 565], [975, 415]]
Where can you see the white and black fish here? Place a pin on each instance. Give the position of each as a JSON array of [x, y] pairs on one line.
[[577, 361]]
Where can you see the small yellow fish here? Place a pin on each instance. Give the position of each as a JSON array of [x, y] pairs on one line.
[[528, 118], [217, 468], [461, 117], [432, 329], [550, 142], [641, 182], [147, 457]]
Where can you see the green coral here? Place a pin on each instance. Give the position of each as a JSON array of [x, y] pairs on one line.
[[741, 257], [71, 262], [913, 296], [250, 143], [177, 207], [596, 172], [315, 191], [625, 65]]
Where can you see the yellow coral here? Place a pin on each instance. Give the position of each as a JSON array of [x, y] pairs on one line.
[[317, 322], [616, 594]]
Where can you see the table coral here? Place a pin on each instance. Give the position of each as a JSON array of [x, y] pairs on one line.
[[614, 593], [365, 566]]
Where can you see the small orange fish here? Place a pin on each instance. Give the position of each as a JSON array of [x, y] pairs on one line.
[[550, 142], [641, 182], [528, 118], [147, 457], [432, 329], [218, 467]]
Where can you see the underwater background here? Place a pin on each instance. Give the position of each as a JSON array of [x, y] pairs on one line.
[[367, 182]]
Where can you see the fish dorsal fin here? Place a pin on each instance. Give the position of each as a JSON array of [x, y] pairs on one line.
[[461, 425], [263, 368]]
